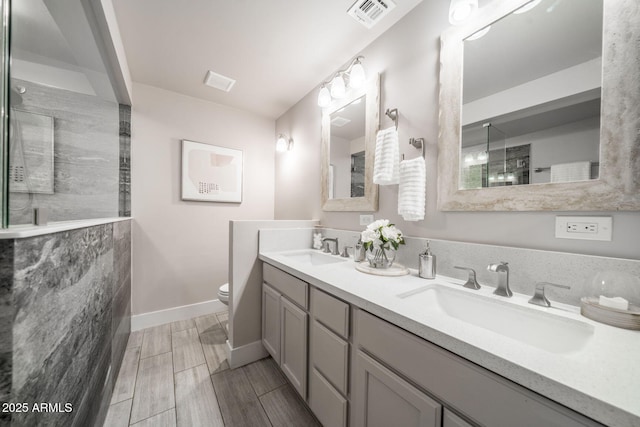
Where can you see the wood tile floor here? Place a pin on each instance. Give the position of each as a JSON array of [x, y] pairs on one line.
[[177, 375]]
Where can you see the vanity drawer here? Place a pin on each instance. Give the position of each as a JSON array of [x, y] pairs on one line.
[[331, 312], [326, 403], [484, 397], [292, 287], [330, 356]]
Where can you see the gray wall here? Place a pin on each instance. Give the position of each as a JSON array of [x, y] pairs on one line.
[[407, 56], [70, 295], [86, 156]]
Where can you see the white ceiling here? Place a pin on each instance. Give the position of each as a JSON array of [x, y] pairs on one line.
[[277, 50]]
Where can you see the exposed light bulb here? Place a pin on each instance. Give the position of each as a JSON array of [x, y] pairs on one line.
[[468, 158], [478, 34], [527, 7], [282, 144], [338, 89], [461, 10], [482, 156], [324, 97], [356, 76]]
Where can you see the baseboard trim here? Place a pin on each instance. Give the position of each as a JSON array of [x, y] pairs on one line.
[[240, 356], [184, 312]]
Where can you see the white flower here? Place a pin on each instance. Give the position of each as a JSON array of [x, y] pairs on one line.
[[377, 224], [370, 236], [390, 233]]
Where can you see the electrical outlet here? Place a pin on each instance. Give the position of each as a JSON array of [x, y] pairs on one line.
[[584, 227], [366, 219]]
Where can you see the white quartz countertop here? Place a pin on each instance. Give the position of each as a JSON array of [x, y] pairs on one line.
[[601, 380]]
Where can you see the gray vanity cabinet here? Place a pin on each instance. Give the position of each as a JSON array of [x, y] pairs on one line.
[[285, 323], [329, 359]]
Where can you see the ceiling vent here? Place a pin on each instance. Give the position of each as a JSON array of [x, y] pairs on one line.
[[218, 81], [339, 121], [370, 12]]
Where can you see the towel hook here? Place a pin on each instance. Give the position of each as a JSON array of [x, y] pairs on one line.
[[393, 115], [417, 143]]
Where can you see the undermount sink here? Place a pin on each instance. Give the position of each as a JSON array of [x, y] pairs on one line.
[[313, 257], [537, 328]]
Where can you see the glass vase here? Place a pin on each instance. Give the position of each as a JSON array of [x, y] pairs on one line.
[[381, 257]]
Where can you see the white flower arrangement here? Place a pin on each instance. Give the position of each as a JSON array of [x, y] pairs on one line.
[[379, 234]]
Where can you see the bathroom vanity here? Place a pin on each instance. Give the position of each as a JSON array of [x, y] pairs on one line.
[[378, 351]]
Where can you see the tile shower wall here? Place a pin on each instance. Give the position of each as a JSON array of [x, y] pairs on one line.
[[86, 155], [70, 294], [527, 266]]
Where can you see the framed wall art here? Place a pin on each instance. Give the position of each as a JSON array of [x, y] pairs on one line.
[[211, 173]]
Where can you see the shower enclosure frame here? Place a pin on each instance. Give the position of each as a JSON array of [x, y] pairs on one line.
[[5, 59]]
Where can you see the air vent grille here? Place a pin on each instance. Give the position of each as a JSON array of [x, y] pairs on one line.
[[339, 121], [370, 12], [218, 81]]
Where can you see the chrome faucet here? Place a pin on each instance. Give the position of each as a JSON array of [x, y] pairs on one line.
[[539, 297], [472, 283], [335, 247], [503, 278]]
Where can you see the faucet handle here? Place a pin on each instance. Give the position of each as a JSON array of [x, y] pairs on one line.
[[539, 298], [325, 247], [345, 251], [472, 283]]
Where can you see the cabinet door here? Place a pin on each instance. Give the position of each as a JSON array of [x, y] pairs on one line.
[[449, 419], [293, 346], [380, 398], [271, 321]]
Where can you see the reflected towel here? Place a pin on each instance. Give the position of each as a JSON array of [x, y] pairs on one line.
[[576, 171], [411, 192], [386, 166]]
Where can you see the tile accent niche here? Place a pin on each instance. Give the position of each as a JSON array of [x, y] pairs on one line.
[[66, 318]]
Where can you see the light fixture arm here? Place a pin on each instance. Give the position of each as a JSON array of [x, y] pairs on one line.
[[347, 70]]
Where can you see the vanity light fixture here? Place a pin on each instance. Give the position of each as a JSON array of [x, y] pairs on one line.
[[527, 7], [353, 77], [479, 33], [461, 10], [284, 143]]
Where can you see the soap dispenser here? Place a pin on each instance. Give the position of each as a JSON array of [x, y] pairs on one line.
[[359, 251], [427, 264]]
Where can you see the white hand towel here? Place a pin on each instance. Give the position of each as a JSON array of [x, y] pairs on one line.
[[386, 165], [576, 171], [412, 189]]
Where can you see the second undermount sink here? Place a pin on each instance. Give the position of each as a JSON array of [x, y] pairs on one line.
[[534, 327], [313, 257]]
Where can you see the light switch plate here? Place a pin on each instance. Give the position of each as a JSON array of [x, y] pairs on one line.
[[584, 227], [366, 219]]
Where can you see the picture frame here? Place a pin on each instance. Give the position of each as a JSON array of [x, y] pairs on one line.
[[211, 173]]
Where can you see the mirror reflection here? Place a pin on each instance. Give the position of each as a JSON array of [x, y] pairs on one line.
[[531, 96], [347, 151]]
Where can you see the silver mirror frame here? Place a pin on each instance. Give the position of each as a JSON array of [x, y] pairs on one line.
[[618, 187], [369, 202]]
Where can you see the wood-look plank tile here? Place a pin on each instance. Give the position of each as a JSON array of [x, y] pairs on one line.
[[154, 387], [207, 323], [156, 340], [196, 403], [118, 414], [135, 339], [164, 419], [182, 325], [264, 375], [214, 345], [126, 381], [284, 408], [223, 318], [238, 402], [187, 350]]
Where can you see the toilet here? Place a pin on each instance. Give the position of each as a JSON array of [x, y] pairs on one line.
[[223, 294]]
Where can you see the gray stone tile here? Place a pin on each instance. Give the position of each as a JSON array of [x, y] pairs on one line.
[[154, 387], [126, 381], [285, 408], [182, 325], [164, 419], [207, 323], [156, 340], [264, 375], [214, 345], [196, 403], [238, 402], [118, 414], [187, 350]]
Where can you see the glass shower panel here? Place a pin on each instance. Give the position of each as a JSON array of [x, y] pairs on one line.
[[63, 116]]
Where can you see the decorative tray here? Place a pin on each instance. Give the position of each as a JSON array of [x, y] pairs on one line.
[[627, 319], [394, 270]]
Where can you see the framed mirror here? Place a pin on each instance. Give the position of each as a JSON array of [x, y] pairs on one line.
[[546, 122], [349, 127]]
